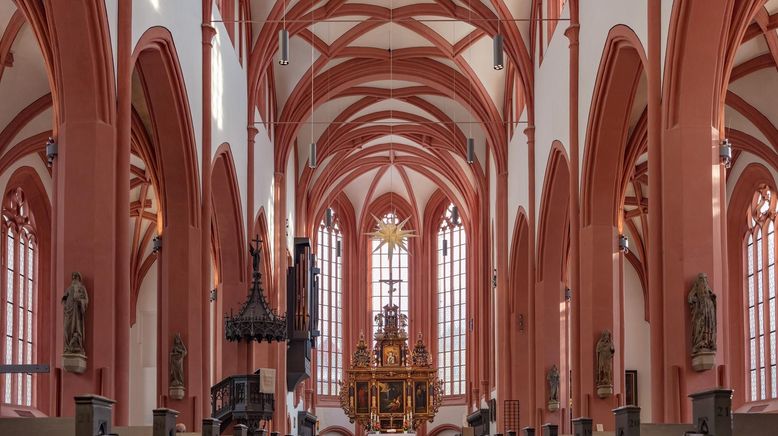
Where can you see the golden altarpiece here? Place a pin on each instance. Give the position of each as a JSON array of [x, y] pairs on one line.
[[391, 388]]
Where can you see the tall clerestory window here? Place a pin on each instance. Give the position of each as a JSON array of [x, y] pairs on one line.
[[452, 302], [380, 274], [329, 354], [20, 257], [761, 304]]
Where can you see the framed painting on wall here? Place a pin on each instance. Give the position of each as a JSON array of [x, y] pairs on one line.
[[631, 387]]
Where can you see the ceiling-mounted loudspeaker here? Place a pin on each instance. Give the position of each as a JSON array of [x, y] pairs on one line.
[[499, 56], [470, 150], [328, 217], [283, 47], [312, 156]]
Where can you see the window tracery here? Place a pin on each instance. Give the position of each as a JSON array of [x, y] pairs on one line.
[[760, 296], [19, 286], [329, 353], [452, 303], [380, 271]]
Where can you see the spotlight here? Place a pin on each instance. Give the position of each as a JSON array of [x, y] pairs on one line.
[[623, 244], [156, 244], [51, 151], [725, 153], [312, 156], [283, 47], [499, 56]]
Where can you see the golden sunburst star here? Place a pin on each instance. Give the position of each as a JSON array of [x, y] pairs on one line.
[[392, 235]]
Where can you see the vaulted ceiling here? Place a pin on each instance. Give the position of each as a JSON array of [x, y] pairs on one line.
[[397, 87]]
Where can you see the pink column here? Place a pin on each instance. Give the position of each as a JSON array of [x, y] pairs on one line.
[[124, 115]]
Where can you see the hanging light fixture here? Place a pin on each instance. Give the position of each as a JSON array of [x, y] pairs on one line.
[[337, 248], [623, 244], [470, 150], [725, 153], [283, 47], [455, 215], [312, 160], [283, 42], [499, 56], [445, 247]]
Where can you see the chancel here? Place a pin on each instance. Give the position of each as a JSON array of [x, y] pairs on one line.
[[358, 217]]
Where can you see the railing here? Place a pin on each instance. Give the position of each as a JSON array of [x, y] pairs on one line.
[[239, 399]]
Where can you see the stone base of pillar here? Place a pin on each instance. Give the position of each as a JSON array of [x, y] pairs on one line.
[[604, 391], [177, 392], [75, 363], [703, 360]]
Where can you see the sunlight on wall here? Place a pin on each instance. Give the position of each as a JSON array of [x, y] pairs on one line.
[[217, 83]]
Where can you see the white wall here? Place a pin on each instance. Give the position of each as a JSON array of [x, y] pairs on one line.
[[637, 339], [34, 162], [143, 353]]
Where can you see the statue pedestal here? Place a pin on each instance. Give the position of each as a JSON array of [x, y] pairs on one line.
[[176, 392], [553, 406], [604, 391], [75, 363], [703, 360]]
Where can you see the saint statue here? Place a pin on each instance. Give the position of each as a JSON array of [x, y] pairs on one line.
[[255, 255], [75, 300], [702, 303], [177, 354], [605, 352], [553, 384]]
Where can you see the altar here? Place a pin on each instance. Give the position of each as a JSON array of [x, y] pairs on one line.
[[391, 388]]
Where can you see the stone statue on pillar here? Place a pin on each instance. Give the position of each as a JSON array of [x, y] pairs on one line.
[[75, 302], [553, 389], [604, 376], [177, 354], [702, 304]]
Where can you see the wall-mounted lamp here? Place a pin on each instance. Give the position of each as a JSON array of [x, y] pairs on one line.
[[568, 294], [312, 155], [212, 295], [725, 153], [499, 56], [521, 322], [470, 150], [51, 151], [623, 244], [494, 278], [283, 47], [156, 244]]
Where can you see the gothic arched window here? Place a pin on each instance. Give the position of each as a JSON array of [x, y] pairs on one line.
[[329, 353], [761, 304], [452, 303], [380, 273], [19, 285]]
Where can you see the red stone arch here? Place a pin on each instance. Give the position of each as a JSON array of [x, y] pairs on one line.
[[46, 325], [444, 427], [609, 156], [337, 429], [519, 338], [551, 259], [752, 177], [230, 245], [173, 148]]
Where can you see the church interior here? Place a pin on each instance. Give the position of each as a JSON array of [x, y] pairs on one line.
[[359, 217]]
